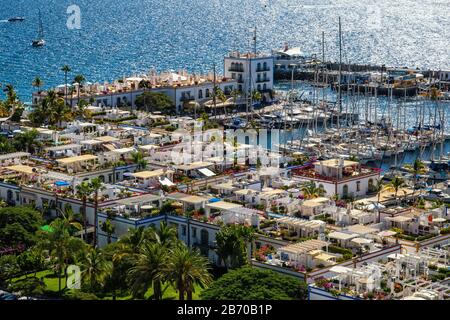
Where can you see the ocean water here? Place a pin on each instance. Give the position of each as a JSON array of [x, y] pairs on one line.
[[122, 37]]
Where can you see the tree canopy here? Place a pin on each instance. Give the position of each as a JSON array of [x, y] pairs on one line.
[[249, 283], [18, 225], [155, 101]]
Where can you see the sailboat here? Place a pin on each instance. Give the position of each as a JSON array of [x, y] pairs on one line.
[[39, 41]]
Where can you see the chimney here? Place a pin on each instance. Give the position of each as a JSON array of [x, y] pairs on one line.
[[286, 47]]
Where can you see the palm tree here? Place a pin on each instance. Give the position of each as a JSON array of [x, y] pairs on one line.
[[57, 110], [222, 97], [310, 191], [417, 168], [138, 159], [80, 79], [235, 94], [12, 102], [70, 218], [66, 69], [256, 96], [60, 244], [165, 235], [149, 270], [96, 185], [249, 237], [128, 247], [95, 268], [395, 184], [11, 96], [187, 268], [83, 191], [231, 247], [108, 228], [38, 83], [27, 140]]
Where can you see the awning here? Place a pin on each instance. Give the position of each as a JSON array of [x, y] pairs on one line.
[[86, 157], [386, 233], [207, 172], [109, 146], [166, 182]]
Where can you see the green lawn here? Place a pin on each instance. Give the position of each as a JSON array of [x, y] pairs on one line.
[[51, 282]]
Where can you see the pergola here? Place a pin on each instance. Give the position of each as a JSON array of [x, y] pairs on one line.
[[14, 157], [144, 177], [220, 206], [297, 252], [106, 139], [241, 215], [301, 226], [78, 162]]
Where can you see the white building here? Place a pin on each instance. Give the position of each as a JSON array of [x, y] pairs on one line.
[[444, 75], [286, 59], [340, 177], [181, 87], [251, 71]]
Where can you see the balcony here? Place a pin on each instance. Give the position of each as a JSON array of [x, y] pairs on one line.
[[187, 98], [234, 69], [262, 80], [240, 80], [262, 69]]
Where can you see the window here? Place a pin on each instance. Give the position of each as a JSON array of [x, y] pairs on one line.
[[194, 232], [233, 75], [265, 65], [259, 87], [207, 93], [264, 87], [183, 231], [200, 94], [358, 185], [258, 66]]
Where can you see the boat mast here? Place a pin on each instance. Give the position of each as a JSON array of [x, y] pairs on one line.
[[214, 90], [40, 29], [323, 81], [340, 75]]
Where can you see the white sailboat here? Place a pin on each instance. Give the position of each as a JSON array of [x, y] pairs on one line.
[[39, 41]]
